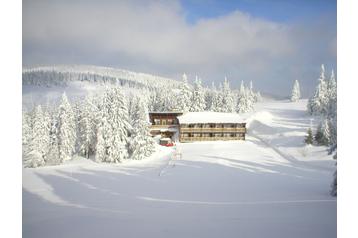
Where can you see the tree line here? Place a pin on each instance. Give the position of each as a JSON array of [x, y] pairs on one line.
[[97, 127]]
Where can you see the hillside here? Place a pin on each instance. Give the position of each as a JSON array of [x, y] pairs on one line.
[[270, 185], [62, 75], [45, 85]]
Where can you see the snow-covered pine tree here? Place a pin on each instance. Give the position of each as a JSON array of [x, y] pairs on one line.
[[319, 134], [141, 144], [39, 141], [209, 98], [227, 97], [332, 96], [326, 132], [26, 130], [241, 106], [296, 93], [86, 127], [309, 137], [198, 97], [53, 155], [245, 99], [101, 137], [113, 128], [323, 133], [184, 96], [170, 103], [66, 129], [216, 102], [318, 103]]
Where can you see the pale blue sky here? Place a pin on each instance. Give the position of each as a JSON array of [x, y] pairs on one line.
[[271, 43]]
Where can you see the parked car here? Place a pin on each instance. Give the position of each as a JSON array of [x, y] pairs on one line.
[[166, 142]]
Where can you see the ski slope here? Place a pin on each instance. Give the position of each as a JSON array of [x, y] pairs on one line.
[[270, 185]]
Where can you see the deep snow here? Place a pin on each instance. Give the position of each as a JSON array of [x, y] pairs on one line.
[[270, 185]]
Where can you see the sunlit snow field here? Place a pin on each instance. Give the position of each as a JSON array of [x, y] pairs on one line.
[[270, 185]]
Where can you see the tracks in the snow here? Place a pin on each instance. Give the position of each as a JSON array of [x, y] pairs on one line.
[[288, 157], [175, 155]]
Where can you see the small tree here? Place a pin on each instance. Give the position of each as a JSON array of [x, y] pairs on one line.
[[309, 137], [296, 93]]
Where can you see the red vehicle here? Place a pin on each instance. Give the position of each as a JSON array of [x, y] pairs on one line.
[[166, 142]]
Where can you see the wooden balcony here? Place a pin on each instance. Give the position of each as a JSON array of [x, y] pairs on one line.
[[164, 126], [213, 130], [199, 138]]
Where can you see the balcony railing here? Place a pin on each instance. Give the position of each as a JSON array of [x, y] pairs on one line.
[[199, 138], [163, 126], [210, 130]]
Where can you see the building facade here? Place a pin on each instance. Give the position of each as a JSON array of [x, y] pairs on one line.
[[198, 126], [212, 131], [165, 124]]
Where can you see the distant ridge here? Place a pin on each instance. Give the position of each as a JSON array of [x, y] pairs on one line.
[[61, 75]]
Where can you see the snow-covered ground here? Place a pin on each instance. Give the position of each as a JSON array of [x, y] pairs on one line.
[[270, 185]]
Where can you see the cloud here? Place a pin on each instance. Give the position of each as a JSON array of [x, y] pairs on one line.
[[154, 37]]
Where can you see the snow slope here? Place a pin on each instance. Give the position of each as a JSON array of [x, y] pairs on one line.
[[46, 84], [270, 185]]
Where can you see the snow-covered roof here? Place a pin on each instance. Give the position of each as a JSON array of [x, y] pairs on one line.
[[211, 117], [167, 112]]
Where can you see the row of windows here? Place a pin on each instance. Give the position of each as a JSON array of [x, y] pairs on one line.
[[165, 122], [213, 135], [212, 125]]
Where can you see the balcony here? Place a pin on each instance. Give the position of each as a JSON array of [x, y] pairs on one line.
[[212, 130]]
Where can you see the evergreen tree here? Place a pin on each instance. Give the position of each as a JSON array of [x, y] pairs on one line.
[[319, 134], [26, 130], [113, 128], [66, 129], [332, 96], [38, 142], [184, 95], [319, 102], [141, 144], [309, 137], [245, 99], [101, 147], [296, 94], [198, 97], [215, 99], [326, 132], [53, 156], [228, 102], [323, 134], [86, 128]]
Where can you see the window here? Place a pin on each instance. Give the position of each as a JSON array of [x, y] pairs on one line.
[[170, 121], [156, 122]]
